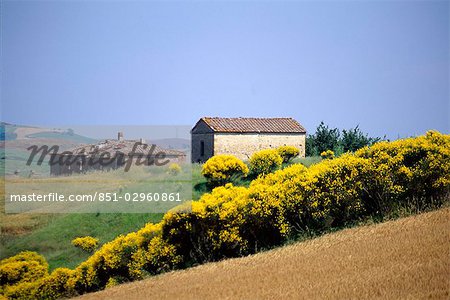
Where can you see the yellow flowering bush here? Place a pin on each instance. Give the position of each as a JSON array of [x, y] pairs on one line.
[[281, 196], [328, 154], [160, 256], [55, 285], [86, 243], [21, 291], [26, 266], [115, 259], [335, 190], [326, 194], [265, 161], [112, 281], [288, 152], [209, 231], [20, 274], [221, 169], [174, 169], [408, 171], [25, 256]]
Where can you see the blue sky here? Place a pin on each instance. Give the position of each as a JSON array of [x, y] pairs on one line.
[[381, 64]]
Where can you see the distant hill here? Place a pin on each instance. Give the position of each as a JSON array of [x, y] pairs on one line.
[[11, 132], [7, 132], [68, 136], [15, 140]]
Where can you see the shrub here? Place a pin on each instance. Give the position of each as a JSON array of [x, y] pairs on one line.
[[160, 256], [26, 256], [21, 291], [55, 285], [265, 161], [112, 281], [115, 259], [86, 243], [20, 274], [212, 230], [288, 152], [221, 169], [282, 196], [412, 172], [24, 267], [335, 191], [174, 169], [327, 154]]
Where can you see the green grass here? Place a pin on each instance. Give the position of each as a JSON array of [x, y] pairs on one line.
[[15, 158], [54, 239], [199, 183], [307, 161]]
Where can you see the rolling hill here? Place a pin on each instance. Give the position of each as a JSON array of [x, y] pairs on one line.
[[11, 132], [15, 139], [406, 258]]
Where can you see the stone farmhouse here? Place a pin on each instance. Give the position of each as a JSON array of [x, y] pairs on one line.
[[242, 137], [112, 154]]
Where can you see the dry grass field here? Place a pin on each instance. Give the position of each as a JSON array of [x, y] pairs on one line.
[[406, 258]]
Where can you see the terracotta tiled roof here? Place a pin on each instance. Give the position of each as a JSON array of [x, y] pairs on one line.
[[247, 125]]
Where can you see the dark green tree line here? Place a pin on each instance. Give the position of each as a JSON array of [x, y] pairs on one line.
[[326, 138]]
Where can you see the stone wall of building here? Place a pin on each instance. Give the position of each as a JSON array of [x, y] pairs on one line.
[[243, 145], [196, 147]]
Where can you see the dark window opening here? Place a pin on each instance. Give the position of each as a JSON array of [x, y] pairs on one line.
[[202, 148]]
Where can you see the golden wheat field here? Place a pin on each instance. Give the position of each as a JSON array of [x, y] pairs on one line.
[[406, 258]]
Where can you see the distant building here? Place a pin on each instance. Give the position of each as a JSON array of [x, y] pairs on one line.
[[111, 154], [244, 136]]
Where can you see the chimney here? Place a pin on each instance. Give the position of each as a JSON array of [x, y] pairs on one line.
[[120, 136]]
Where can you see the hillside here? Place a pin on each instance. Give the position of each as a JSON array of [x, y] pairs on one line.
[[15, 140], [406, 258], [11, 132]]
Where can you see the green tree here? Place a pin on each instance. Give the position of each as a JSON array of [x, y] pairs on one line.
[[310, 147], [326, 138], [354, 139]]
